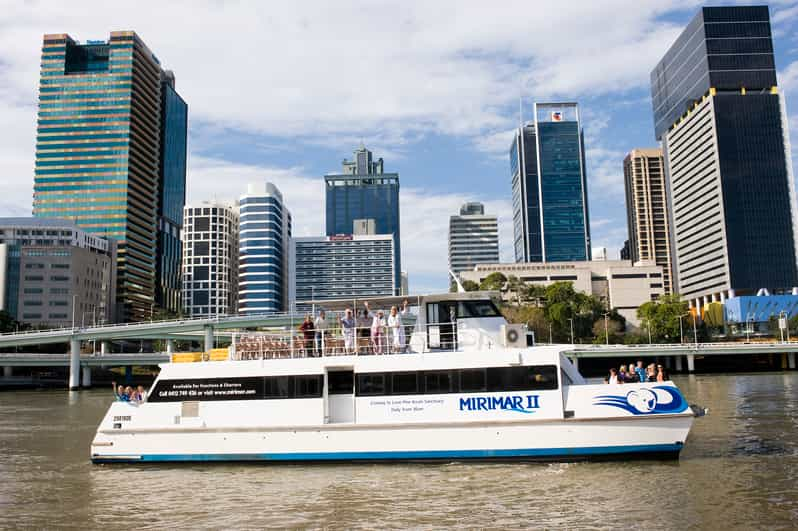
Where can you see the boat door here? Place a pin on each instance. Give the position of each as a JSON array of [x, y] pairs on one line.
[[340, 395], [442, 325]]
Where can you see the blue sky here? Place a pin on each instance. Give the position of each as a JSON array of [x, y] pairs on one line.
[[284, 93]]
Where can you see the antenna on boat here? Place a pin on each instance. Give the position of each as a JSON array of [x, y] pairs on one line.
[[460, 288]]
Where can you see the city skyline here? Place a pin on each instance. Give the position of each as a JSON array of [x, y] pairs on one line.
[[447, 152]]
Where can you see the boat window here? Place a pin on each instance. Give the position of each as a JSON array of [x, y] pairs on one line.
[[466, 309], [472, 380], [440, 382], [404, 383], [340, 382], [371, 384], [278, 387], [522, 378], [308, 386]]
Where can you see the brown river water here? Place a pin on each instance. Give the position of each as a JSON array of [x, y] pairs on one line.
[[738, 470]]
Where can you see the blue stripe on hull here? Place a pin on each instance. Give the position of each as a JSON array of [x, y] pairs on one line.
[[530, 453]]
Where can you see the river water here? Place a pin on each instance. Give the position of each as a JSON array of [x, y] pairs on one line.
[[738, 470]]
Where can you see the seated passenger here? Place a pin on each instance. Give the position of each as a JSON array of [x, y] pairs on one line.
[[641, 372], [613, 377], [140, 394], [119, 393]]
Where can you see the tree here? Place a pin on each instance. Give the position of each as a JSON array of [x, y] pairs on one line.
[[8, 323], [493, 282], [614, 327], [534, 318], [566, 308], [470, 285], [661, 318]]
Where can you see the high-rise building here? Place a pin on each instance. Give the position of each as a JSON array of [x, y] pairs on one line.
[[210, 259], [720, 117], [473, 238], [98, 151], [364, 191], [646, 210], [343, 267], [171, 195], [53, 274], [547, 163], [626, 252], [264, 239]]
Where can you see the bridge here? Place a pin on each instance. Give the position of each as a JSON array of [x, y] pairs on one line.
[[198, 329], [678, 352]]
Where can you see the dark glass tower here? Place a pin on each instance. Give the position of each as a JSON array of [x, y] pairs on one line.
[[370, 195], [550, 211], [171, 195], [720, 117]]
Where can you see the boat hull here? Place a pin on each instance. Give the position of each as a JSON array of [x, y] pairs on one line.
[[656, 436]]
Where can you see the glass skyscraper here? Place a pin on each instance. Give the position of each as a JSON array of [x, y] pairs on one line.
[[98, 151], [719, 114], [547, 164], [264, 239], [364, 191], [171, 195]]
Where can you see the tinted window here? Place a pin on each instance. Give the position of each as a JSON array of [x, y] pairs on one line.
[[308, 386], [440, 382], [371, 384], [522, 378], [405, 383], [472, 380], [340, 383], [476, 309], [201, 248], [279, 387]]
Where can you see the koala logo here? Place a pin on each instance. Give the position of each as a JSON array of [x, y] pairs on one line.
[[643, 400]]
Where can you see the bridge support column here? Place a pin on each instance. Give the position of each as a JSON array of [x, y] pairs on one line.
[[790, 360], [678, 364], [104, 347], [691, 363], [170, 347], [86, 377], [8, 371], [208, 338], [74, 364]]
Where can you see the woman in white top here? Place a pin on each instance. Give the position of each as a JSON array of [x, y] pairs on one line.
[[397, 330], [378, 332]]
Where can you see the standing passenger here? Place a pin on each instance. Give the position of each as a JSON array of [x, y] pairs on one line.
[[397, 328], [613, 377], [320, 325], [307, 335], [378, 332], [348, 324], [641, 371]]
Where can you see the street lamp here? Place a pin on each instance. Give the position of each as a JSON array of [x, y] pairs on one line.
[[572, 330], [783, 315], [607, 328], [695, 331], [748, 327], [648, 326], [74, 305], [681, 328]]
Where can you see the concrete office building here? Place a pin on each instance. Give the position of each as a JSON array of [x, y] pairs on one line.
[[53, 274], [364, 191], [647, 211], [618, 283], [721, 120], [98, 151], [473, 238], [263, 251], [343, 267], [549, 187], [210, 259]]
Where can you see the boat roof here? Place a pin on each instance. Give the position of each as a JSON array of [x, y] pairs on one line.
[[398, 300]]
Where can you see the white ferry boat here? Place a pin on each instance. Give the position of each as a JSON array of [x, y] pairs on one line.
[[465, 386]]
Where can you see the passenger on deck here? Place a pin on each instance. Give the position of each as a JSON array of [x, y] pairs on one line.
[[631, 375], [622, 376], [613, 377], [119, 393], [320, 325], [308, 334], [140, 394], [397, 328], [662, 376], [651, 373], [641, 371], [348, 324], [364, 328], [378, 332]]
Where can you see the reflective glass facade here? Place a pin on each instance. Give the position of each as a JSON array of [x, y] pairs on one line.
[[265, 232], [726, 48], [171, 195], [371, 196], [550, 212], [98, 151]]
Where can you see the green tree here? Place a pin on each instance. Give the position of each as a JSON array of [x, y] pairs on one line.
[[566, 308], [533, 317], [494, 282], [8, 323], [470, 285], [661, 318]]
